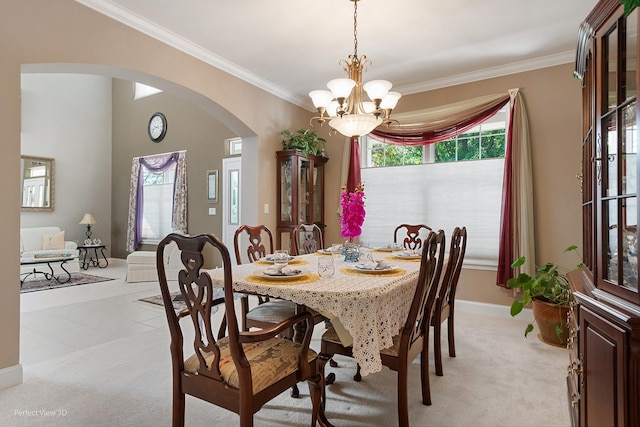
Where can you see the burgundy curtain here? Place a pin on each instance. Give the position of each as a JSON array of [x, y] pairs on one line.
[[441, 126], [353, 176], [506, 215]]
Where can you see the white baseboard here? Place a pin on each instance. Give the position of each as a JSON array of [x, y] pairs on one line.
[[10, 376], [494, 310]]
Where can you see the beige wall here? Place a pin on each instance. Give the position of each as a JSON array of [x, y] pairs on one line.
[[67, 33], [189, 128], [64, 32]]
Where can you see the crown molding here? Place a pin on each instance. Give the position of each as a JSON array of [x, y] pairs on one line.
[[139, 23], [489, 73]]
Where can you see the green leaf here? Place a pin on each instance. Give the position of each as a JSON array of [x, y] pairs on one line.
[[559, 331], [519, 261], [573, 247], [629, 5], [529, 329], [516, 307]]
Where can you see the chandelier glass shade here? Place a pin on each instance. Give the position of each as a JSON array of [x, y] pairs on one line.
[[343, 105]]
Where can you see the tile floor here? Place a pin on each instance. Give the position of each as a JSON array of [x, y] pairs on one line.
[[57, 322]]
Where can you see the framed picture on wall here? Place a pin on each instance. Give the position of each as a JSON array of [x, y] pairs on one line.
[[212, 186]]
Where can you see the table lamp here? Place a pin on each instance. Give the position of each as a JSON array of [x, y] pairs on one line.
[[89, 220]]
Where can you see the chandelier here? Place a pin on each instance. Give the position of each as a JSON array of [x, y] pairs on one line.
[[344, 107]]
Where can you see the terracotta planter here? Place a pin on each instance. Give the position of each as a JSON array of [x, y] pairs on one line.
[[547, 316]]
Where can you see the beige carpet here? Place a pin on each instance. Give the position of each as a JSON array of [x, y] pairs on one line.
[[498, 379]]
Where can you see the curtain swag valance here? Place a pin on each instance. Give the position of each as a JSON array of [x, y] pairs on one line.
[[442, 123]]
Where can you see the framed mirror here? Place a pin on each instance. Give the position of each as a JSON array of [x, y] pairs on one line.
[[37, 180]]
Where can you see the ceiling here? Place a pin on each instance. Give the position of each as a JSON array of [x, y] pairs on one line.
[[290, 47]]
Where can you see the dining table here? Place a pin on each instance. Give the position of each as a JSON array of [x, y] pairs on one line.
[[367, 307]]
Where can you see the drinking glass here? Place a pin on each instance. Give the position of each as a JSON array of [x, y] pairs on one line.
[[326, 267], [280, 259]]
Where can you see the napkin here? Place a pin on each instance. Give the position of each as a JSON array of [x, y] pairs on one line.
[[376, 264], [286, 271]]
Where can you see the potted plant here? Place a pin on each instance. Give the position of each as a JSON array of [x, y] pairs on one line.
[[549, 293], [303, 139]]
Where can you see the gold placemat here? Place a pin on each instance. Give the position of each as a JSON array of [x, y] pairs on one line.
[[395, 258], [294, 262], [300, 280], [394, 272]]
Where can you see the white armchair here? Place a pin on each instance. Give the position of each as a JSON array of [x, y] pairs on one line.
[[141, 265]]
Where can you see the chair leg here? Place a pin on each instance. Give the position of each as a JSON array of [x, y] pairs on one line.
[[424, 375], [244, 303], [437, 346], [450, 334], [295, 392], [403, 400], [322, 361], [178, 408], [315, 393]]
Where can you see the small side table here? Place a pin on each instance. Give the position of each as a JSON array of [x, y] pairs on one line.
[[88, 256]]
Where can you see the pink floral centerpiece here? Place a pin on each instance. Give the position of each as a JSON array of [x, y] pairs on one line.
[[353, 212]]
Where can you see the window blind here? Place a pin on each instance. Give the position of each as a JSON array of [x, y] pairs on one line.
[[440, 195]]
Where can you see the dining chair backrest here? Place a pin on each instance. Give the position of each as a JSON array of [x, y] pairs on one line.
[[256, 235], [307, 239], [457, 249], [412, 236], [226, 370], [422, 305], [445, 302]]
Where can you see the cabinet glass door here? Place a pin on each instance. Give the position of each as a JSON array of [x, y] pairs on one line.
[[286, 189], [304, 191], [618, 159], [318, 179]]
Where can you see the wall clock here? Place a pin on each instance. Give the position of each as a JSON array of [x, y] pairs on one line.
[[157, 127]]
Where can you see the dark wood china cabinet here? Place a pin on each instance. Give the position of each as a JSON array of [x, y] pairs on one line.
[[300, 193], [604, 369]]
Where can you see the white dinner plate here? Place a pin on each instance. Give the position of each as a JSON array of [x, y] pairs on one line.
[[284, 273], [329, 251], [404, 255], [368, 269], [269, 258], [387, 249]]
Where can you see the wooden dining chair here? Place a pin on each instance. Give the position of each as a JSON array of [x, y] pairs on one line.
[[241, 371], [307, 239], [445, 302], [413, 339], [411, 236], [268, 311]]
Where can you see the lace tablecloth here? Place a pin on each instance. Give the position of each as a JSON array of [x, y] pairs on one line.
[[372, 307]]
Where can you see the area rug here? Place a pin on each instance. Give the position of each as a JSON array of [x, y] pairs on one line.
[[178, 302], [40, 284]]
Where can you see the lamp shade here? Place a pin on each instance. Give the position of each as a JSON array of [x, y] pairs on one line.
[[321, 98], [390, 101], [355, 124], [88, 219], [341, 88], [377, 89]]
